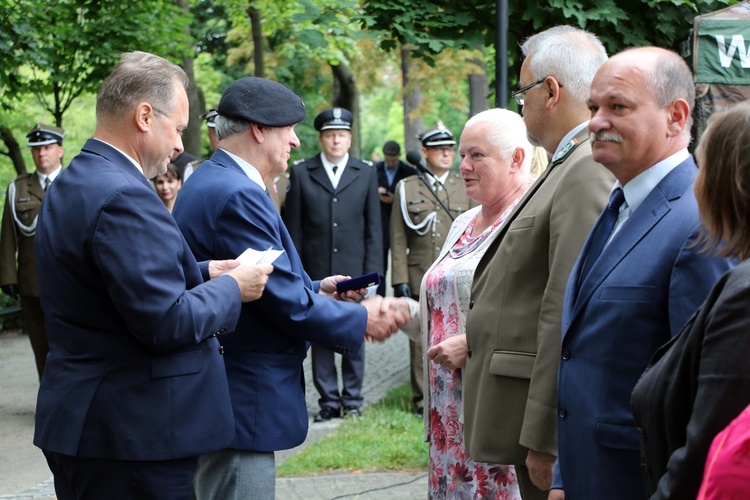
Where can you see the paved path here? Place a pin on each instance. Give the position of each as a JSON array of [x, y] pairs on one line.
[[24, 473]]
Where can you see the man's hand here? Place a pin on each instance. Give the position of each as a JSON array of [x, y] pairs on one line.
[[328, 288], [252, 279], [218, 267], [540, 467], [402, 290], [384, 317], [556, 495], [386, 197], [10, 290], [450, 353]]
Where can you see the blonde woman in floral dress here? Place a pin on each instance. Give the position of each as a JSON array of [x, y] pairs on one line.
[[495, 165]]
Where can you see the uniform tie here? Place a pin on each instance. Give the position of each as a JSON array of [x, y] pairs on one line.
[[602, 230], [46, 183], [335, 168]]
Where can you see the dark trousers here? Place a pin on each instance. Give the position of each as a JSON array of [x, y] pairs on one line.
[[95, 478], [381, 287], [326, 378], [33, 318], [416, 365]]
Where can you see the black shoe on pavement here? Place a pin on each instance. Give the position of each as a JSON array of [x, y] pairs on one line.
[[327, 413], [352, 411]]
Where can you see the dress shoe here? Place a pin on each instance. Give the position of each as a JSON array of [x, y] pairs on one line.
[[327, 413], [352, 411], [419, 413]]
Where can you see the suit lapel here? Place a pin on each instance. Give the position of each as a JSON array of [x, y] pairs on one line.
[[318, 173], [33, 185], [350, 173], [656, 205]]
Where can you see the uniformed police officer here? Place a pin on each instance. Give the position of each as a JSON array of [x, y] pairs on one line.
[[419, 226], [22, 201], [332, 211]]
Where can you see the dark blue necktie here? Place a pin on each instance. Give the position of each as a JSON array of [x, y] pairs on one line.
[[603, 228]]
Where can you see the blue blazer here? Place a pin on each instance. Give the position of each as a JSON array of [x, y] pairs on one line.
[[646, 284], [134, 370], [222, 212]]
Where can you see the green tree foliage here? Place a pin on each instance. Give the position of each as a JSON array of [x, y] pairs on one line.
[[431, 28], [56, 50]]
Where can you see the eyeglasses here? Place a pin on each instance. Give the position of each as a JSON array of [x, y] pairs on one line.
[[520, 94]]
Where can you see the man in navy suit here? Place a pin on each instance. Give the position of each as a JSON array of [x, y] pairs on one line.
[[332, 210], [390, 171], [225, 209], [650, 277], [134, 387]]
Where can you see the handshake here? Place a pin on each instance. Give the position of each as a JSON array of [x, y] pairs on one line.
[[385, 316]]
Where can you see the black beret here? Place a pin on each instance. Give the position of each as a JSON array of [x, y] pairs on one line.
[[261, 101], [438, 136], [43, 135], [391, 148], [334, 119]]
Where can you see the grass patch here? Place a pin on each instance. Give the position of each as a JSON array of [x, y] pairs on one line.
[[386, 437]]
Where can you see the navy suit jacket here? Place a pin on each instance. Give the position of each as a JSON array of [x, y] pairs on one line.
[[134, 370], [646, 284], [336, 231], [222, 212]]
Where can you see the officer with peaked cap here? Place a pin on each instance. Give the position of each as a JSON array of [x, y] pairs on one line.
[[332, 210], [22, 202], [419, 226], [210, 118]]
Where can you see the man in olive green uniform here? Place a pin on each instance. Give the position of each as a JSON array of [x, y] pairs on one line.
[[22, 201], [419, 226]]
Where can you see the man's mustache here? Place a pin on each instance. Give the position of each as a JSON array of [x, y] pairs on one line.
[[605, 136]]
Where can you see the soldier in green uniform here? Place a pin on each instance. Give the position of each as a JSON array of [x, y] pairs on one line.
[[22, 201], [419, 226]]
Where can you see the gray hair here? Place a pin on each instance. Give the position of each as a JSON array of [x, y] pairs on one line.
[[508, 132], [226, 126], [671, 79], [139, 77], [571, 55]]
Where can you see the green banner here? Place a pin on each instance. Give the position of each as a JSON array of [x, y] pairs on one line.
[[723, 53]]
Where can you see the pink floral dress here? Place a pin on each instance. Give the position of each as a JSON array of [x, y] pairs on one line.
[[452, 474]]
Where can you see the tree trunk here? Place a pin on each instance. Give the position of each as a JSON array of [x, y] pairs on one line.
[[479, 89], [255, 24], [345, 95], [191, 137], [413, 125], [14, 150]]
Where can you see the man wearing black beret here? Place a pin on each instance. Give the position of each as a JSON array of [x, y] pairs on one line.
[[22, 203], [332, 211], [225, 210]]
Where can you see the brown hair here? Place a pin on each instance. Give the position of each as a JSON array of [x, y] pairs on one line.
[[722, 187], [137, 77], [172, 172]]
